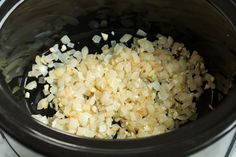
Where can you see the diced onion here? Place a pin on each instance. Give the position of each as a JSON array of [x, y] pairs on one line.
[[70, 45], [63, 48], [96, 39], [125, 38], [121, 91], [32, 85], [65, 39], [104, 36], [27, 95], [141, 33], [146, 45]]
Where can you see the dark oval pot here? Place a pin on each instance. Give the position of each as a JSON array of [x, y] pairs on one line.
[[208, 26]]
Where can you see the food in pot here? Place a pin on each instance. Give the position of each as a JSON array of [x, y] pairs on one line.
[[148, 88]]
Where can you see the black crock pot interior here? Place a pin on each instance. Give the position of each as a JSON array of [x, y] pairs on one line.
[[36, 25]]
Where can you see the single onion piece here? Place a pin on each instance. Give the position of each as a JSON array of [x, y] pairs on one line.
[[43, 69], [141, 33], [32, 85], [63, 48], [71, 45], [104, 36], [113, 43], [125, 38], [41, 118], [65, 39], [27, 95], [146, 45], [96, 39], [84, 51], [54, 49]]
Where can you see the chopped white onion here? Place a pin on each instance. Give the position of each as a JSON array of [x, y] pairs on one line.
[[113, 43], [71, 45], [122, 84], [141, 33], [43, 69], [96, 39], [78, 55], [125, 38], [42, 104], [102, 128], [104, 36], [146, 45], [85, 51], [65, 39], [41, 118], [41, 80], [46, 89], [63, 48], [155, 85], [32, 85], [27, 95], [54, 49]]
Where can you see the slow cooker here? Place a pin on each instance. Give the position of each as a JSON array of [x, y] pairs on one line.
[[28, 27]]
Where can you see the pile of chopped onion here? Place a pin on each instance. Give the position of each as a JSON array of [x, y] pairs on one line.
[[124, 92]]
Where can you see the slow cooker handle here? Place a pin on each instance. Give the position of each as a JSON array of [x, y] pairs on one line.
[[227, 8]]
